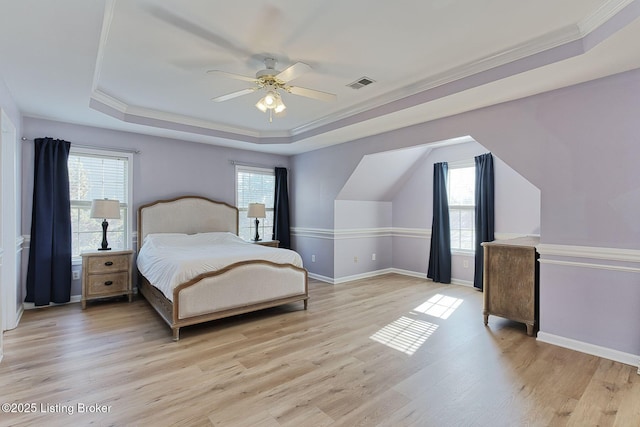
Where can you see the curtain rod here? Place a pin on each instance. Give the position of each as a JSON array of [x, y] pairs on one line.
[[124, 150], [255, 165]]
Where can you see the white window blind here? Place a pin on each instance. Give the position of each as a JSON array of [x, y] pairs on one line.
[[97, 174], [461, 194], [254, 185]]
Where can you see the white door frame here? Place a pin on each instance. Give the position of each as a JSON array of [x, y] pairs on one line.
[[9, 275]]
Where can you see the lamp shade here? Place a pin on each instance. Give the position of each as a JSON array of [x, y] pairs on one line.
[[105, 208], [256, 210]]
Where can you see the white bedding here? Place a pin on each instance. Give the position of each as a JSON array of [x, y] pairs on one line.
[[169, 259]]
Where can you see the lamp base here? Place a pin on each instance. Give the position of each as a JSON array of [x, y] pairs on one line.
[[257, 238], [104, 246]]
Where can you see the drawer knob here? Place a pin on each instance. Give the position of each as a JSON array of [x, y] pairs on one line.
[[108, 263], [108, 283]]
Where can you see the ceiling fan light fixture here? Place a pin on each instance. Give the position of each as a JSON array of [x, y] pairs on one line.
[[261, 105], [279, 107], [270, 99]]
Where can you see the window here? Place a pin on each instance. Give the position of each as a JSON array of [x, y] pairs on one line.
[[461, 192], [254, 185], [99, 174]]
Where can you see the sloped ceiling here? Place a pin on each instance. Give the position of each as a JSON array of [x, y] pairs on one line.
[[378, 176], [141, 65]]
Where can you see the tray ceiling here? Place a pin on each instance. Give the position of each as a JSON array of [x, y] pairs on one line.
[[141, 66]]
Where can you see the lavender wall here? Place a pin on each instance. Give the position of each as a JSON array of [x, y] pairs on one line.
[[165, 167], [579, 146], [357, 239]]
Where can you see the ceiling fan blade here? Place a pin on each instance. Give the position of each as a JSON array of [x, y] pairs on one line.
[[234, 94], [233, 76], [293, 72], [312, 93], [184, 24]]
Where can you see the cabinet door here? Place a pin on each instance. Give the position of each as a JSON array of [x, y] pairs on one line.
[[512, 282]]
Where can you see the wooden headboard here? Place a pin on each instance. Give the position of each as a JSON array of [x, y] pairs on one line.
[[187, 214]]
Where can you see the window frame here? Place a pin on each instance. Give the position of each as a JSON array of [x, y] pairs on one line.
[[463, 164], [97, 152], [265, 234]]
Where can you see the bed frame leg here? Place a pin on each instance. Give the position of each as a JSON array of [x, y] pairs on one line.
[[176, 334]]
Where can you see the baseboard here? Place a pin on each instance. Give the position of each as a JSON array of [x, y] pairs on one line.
[[366, 275], [418, 274], [595, 350], [320, 278], [369, 274], [31, 306], [461, 282]]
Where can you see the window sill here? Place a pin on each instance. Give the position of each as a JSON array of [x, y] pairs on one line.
[[462, 252]]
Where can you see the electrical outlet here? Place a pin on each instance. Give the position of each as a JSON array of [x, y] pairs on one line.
[[355, 259], [373, 257], [75, 275], [313, 258]]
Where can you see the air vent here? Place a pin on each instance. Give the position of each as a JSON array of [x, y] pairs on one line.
[[361, 82]]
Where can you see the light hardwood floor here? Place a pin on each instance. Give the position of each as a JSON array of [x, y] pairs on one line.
[[390, 351]]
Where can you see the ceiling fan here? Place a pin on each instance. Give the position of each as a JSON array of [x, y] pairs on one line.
[[273, 81]]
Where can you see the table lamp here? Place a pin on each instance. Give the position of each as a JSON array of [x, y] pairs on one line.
[[256, 210], [105, 209]]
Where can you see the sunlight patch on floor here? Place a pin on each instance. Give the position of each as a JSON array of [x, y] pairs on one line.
[[405, 334], [440, 306]]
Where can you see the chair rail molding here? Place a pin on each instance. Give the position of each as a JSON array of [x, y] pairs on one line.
[[360, 233], [616, 259]]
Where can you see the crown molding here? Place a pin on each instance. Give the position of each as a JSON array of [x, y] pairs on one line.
[[531, 47], [133, 113], [601, 15]]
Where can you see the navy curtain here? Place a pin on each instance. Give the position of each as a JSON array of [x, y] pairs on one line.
[[281, 209], [440, 256], [484, 211], [49, 269]]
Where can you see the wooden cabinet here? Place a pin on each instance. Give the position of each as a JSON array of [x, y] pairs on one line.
[[272, 243], [511, 280], [106, 274]]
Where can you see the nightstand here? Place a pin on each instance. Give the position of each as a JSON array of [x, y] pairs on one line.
[[106, 274], [272, 243]]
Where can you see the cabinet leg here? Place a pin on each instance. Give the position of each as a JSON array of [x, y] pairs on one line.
[[306, 303], [130, 297], [486, 319], [176, 334], [84, 304], [529, 330]]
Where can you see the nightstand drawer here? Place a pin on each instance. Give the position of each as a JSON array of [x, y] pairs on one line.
[[108, 264], [105, 284]]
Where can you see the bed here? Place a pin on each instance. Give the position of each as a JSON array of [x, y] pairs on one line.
[[264, 278]]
